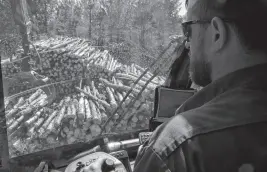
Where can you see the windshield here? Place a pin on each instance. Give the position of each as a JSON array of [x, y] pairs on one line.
[[71, 68]]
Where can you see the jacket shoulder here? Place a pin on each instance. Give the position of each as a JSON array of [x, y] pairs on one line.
[[201, 121], [167, 137]]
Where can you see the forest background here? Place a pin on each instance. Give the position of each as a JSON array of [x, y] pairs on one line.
[[130, 29]]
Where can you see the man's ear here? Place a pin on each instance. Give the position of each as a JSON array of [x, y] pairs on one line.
[[219, 34]]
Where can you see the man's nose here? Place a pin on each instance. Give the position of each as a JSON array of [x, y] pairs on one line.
[[187, 45]]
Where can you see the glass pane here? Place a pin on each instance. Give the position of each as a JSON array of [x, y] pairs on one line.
[[84, 58]]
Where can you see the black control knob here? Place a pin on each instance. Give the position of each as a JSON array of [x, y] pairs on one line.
[[108, 165], [79, 166]]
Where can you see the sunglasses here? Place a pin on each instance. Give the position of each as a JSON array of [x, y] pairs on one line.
[[186, 26]]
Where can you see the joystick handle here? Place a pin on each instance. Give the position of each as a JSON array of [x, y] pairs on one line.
[[108, 165]]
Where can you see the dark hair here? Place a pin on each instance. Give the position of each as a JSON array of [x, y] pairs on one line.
[[248, 17]]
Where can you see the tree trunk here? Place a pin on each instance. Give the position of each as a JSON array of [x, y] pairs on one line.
[[90, 23], [75, 28], [118, 20], [45, 18], [100, 34], [142, 37], [143, 31], [25, 66], [21, 17], [111, 25], [111, 33]]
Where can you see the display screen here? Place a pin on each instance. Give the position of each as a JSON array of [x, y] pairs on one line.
[[169, 100], [69, 68]]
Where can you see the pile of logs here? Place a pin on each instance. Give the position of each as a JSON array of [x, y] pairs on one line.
[[90, 86]]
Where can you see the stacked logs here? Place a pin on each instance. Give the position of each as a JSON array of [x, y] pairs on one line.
[[83, 105], [10, 68]]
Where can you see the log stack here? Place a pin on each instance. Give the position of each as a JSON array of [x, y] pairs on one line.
[[90, 85]]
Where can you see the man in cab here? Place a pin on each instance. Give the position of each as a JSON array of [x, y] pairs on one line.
[[224, 126]]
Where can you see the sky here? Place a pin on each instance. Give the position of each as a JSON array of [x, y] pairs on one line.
[[183, 10]]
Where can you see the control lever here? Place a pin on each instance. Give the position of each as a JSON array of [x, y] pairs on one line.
[[122, 145], [110, 147]]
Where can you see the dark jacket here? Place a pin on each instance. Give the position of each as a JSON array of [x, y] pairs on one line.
[[222, 128]]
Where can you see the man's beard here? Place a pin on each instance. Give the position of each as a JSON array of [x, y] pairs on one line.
[[200, 71]]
